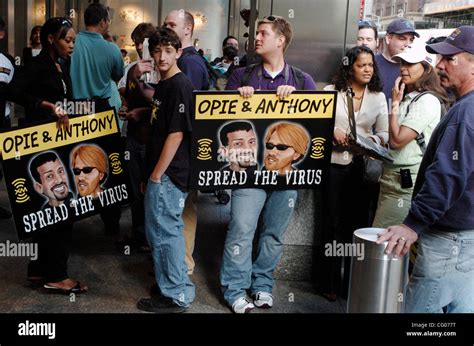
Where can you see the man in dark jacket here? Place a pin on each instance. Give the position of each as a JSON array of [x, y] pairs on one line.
[[441, 215]]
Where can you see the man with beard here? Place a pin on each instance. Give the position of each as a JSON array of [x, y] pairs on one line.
[[90, 169], [239, 146], [285, 144], [50, 179]]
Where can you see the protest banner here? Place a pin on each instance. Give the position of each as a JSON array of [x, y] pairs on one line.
[[56, 175], [262, 141]]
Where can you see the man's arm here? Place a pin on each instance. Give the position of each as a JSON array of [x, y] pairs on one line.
[[445, 179], [170, 148], [117, 68]]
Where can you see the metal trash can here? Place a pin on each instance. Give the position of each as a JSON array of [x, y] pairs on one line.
[[378, 281]]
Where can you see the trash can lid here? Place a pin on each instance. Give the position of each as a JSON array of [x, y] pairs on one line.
[[369, 234]]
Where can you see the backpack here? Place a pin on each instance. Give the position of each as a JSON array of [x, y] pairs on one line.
[[297, 75], [211, 72], [420, 139]]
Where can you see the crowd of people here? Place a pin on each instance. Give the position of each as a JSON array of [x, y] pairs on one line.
[[400, 100]]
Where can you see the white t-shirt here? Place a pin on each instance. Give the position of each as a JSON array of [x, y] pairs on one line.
[[6, 76], [273, 74]]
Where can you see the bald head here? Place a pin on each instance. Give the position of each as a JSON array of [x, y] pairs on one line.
[[181, 22]]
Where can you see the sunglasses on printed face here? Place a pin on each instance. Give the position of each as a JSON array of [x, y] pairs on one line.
[[280, 147], [86, 170]]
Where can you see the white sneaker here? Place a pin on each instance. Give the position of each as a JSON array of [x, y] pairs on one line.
[[242, 305], [263, 300]]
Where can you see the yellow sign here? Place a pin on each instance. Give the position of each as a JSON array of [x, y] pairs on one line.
[[227, 106], [15, 144]]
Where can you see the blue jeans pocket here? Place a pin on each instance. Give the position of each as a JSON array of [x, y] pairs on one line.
[[466, 256]]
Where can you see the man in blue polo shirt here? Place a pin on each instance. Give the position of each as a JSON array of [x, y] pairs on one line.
[[95, 63], [441, 215], [238, 274]]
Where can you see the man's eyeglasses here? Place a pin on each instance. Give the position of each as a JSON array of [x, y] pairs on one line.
[[86, 170], [280, 147]]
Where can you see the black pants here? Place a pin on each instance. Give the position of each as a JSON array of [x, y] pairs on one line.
[[342, 215], [53, 253]]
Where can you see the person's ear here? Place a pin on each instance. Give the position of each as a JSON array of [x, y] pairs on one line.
[[50, 39], [281, 40], [223, 151], [101, 176], [387, 39], [38, 187], [2, 35], [179, 52]]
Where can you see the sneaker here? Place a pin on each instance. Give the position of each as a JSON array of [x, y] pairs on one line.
[[160, 305], [242, 305], [263, 300]]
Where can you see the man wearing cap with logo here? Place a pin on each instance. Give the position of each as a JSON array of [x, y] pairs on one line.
[[400, 34], [441, 213]]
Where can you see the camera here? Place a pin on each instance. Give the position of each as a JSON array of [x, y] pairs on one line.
[[406, 180]]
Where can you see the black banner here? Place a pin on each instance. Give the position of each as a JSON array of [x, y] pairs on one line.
[[261, 141], [55, 176]]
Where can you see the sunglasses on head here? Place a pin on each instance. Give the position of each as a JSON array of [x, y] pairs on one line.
[[86, 170], [62, 21], [272, 18], [280, 147]]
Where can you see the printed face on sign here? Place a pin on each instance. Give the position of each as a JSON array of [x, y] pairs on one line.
[[50, 178], [90, 169], [238, 145], [242, 148], [285, 144]]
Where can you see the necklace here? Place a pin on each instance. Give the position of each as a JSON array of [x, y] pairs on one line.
[[359, 97]]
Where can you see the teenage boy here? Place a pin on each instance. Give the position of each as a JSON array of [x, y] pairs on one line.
[[168, 157], [238, 274]]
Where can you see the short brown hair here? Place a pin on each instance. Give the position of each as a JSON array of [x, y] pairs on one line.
[[281, 26], [164, 37], [142, 31], [291, 134]]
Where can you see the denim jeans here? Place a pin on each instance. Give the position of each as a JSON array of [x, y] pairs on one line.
[[247, 205], [164, 204], [443, 275]]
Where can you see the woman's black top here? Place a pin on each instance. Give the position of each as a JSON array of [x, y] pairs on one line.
[[40, 81]]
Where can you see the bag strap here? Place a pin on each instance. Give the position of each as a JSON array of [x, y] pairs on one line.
[[420, 139]]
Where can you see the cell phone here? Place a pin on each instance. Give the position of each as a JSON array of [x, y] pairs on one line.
[[406, 181]]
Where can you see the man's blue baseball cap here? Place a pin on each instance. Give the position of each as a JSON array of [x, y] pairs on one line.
[[460, 40], [401, 26]]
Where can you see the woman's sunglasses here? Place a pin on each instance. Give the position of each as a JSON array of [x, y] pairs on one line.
[[86, 170], [280, 147]]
